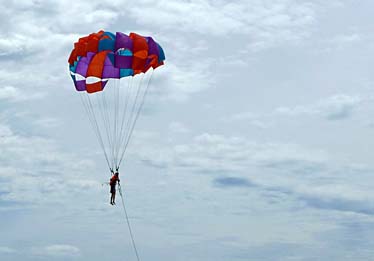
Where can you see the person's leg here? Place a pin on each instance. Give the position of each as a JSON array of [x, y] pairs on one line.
[[112, 191]]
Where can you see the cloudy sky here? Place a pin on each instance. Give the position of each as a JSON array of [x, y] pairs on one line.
[[255, 142]]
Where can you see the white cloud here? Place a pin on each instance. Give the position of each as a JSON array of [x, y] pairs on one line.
[[58, 250], [336, 107], [179, 82], [340, 42], [63, 16], [9, 92], [340, 106], [336, 188], [47, 122], [261, 19], [13, 46], [86, 16], [250, 118], [13, 94], [5, 131], [346, 38], [210, 153], [197, 16], [178, 127], [309, 175], [32, 166], [6, 250], [264, 23]]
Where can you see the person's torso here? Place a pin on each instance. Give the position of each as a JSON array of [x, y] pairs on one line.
[[113, 181]]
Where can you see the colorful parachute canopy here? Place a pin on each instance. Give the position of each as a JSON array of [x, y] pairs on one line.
[[101, 56]]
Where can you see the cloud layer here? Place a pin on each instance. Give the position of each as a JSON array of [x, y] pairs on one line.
[[255, 142]]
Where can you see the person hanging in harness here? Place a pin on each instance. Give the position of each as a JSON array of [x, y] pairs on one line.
[[113, 182]]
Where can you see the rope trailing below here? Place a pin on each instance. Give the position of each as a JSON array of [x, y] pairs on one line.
[[128, 223]]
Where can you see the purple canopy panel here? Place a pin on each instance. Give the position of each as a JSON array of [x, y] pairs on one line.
[[123, 41], [83, 64], [80, 85], [153, 50], [123, 62], [109, 70], [152, 47], [103, 83]]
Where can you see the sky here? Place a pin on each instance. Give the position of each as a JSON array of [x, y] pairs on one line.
[[254, 143]]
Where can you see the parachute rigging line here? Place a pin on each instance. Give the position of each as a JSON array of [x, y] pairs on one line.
[[113, 123], [91, 116], [136, 118], [127, 97]]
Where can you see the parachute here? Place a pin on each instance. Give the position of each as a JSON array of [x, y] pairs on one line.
[[112, 72]]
